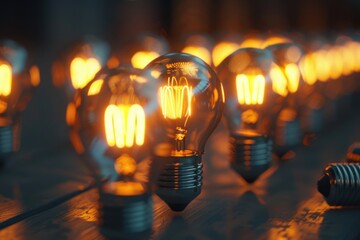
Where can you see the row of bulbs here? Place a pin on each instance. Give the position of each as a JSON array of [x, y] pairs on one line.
[[164, 106]]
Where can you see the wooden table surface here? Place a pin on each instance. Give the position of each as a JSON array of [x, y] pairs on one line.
[[50, 194]]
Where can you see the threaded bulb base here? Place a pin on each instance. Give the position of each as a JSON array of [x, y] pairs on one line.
[[340, 184], [250, 155], [129, 218], [179, 179], [9, 140]]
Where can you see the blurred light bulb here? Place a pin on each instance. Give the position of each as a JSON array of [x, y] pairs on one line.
[[287, 56], [77, 67], [222, 50], [251, 107], [189, 103], [142, 58], [17, 81], [200, 46]]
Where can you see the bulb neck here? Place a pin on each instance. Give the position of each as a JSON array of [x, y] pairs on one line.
[[339, 184], [125, 217], [178, 179], [9, 139], [250, 155]]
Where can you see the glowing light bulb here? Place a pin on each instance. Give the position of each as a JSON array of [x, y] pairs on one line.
[[222, 50], [287, 56], [142, 58], [17, 81], [189, 106], [112, 116], [77, 67], [251, 107], [111, 119]]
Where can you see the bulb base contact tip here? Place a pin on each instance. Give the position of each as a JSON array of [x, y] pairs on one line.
[[178, 179], [128, 218], [250, 155]]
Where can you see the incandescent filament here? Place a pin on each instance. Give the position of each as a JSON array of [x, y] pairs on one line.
[[124, 125], [5, 79], [250, 89], [83, 70]]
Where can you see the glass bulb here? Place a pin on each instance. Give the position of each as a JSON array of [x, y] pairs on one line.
[[78, 66], [17, 82], [189, 106], [200, 46], [287, 56], [111, 121], [251, 108]]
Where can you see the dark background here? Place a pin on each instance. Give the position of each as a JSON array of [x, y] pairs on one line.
[[46, 27]]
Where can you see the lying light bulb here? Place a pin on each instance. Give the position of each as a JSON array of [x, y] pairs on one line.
[[251, 107], [189, 104], [17, 81]]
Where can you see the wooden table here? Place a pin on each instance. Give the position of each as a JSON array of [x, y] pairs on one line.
[[50, 194]]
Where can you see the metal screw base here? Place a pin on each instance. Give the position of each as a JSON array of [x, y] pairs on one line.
[[9, 140], [179, 179], [340, 184], [128, 217], [250, 155]]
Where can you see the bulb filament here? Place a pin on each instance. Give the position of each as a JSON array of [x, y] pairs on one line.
[[83, 70], [124, 125], [5, 79], [250, 89]]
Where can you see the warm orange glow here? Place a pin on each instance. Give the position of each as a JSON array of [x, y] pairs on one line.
[[113, 62], [3, 106], [83, 70], [307, 68], [124, 125], [279, 82], [35, 76], [293, 54], [175, 98], [71, 114], [95, 87], [336, 63], [125, 188], [250, 89], [5, 79], [142, 58], [199, 52], [125, 165], [274, 40], [348, 60], [322, 65], [222, 50], [293, 75], [252, 43]]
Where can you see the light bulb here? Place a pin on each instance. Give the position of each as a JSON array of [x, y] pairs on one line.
[[111, 129], [223, 49], [251, 107], [143, 49], [17, 81], [199, 46], [287, 56], [78, 66], [189, 107]]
